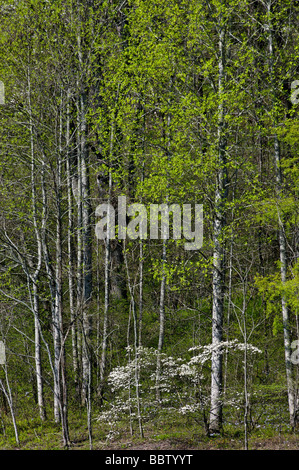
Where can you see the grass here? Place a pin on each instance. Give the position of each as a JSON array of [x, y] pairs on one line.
[[269, 430]]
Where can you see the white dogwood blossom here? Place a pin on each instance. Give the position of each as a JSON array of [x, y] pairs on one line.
[[181, 383]]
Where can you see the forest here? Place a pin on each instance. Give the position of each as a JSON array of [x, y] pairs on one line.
[[149, 237]]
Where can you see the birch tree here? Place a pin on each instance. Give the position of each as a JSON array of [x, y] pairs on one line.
[[271, 8]]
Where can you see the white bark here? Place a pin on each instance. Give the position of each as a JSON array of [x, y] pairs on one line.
[[282, 241], [107, 276], [70, 244], [161, 322], [136, 339], [218, 257], [85, 214], [35, 276], [8, 396]]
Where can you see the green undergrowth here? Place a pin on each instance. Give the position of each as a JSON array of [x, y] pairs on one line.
[[179, 433]]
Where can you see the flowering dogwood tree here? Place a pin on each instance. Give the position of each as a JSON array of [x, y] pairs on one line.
[[181, 385]]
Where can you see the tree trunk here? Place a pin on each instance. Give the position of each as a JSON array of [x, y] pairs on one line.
[[71, 259], [107, 274], [38, 362], [37, 341], [161, 322], [218, 257], [281, 239], [59, 298], [87, 248], [284, 308], [136, 351]]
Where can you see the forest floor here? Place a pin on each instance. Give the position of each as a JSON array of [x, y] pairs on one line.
[[163, 435], [221, 443], [282, 442]]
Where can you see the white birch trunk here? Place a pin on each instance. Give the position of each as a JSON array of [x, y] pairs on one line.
[[85, 227], [8, 396], [136, 340], [218, 257], [161, 322], [107, 277], [282, 242], [37, 340], [70, 244]]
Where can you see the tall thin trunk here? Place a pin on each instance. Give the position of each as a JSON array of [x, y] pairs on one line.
[[70, 244], [87, 257], [228, 308], [37, 340], [163, 280], [98, 340], [141, 251], [136, 350], [59, 297], [85, 208], [218, 257], [107, 274], [281, 238], [88, 405], [284, 308], [77, 185], [38, 362], [9, 399], [161, 322], [51, 280], [57, 312], [245, 360], [106, 311]]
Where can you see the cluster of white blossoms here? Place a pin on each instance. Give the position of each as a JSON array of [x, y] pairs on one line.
[[178, 380], [190, 409], [205, 352]]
